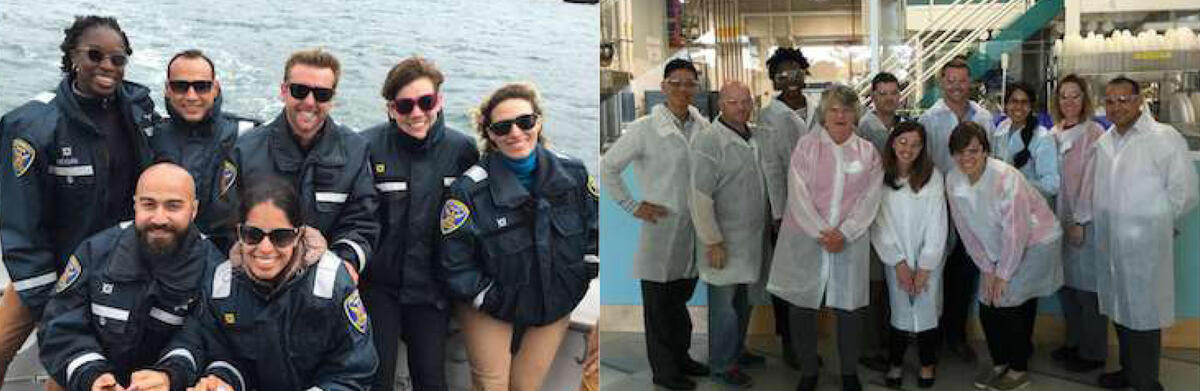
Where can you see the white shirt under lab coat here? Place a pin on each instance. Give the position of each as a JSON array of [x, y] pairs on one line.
[[872, 128], [729, 203], [911, 228], [939, 122], [779, 129], [829, 186], [1142, 188], [1042, 168], [659, 152]]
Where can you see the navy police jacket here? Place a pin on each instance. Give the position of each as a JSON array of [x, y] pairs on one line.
[[54, 174], [521, 257], [114, 309], [311, 332]]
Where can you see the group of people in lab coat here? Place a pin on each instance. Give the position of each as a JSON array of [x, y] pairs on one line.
[[812, 194]]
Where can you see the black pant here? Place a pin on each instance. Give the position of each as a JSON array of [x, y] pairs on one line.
[[780, 308], [1009, 332], [1139, 355], [878, 332], [927, 346], [849, 338], [668, 325], [958, 292], [423, 328]]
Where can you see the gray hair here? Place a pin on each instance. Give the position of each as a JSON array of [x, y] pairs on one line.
[[840, 94]]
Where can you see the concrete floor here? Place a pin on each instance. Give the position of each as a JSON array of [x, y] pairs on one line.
[[624, 368]]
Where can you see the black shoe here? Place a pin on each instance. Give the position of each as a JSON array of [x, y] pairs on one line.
[[676, 383], [1065, 353], [926, 383], [963, 351], [733, 378], [1113, 380], [851, 383], [877, 363], [807, 383], [693, 368], [746, 359], [1078, 364]]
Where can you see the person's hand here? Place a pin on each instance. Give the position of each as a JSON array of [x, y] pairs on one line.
[[904, 277], [650, 212], [987, 287], [1075, 235], [921, 281], [999, 288], [832, 240], [210, 383], [149, 380], [716, 255], [353, 271], [106, 382]]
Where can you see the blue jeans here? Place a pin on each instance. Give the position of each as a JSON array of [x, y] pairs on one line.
[[728, 317]]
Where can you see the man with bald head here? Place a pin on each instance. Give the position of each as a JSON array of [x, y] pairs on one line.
[[731, 214], [126, 290]]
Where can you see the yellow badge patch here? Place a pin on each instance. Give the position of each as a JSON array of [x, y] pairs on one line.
[[230, 318], [454, 215], [228, 176], [380, 168], [69, 275], [23, 155], [355, 312], [592, 188]]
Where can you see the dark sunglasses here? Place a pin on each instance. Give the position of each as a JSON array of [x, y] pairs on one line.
[[525, 122], [97, 56], [300, 91], [280, 237], [406, 105], [182, 86]]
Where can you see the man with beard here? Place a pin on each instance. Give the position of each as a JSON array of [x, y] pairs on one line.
[[125, 292]]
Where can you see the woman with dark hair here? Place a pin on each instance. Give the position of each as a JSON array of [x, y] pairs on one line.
[[909, 235], [1013, 237], [1086, 342], [520, 239], [1024, 143], [281, 314]]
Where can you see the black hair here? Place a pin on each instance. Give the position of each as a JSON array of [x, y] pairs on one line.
[[783, 55], [962, 135], [277, 191], [192, 54], [883, 77], [922, 168], [81, 25], [1137, 89], [679, 63], [1031, 122]]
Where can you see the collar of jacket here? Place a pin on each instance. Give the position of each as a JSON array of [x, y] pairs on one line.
[[664, 119], [286, 153], [179, 270], [552, 179], [203, 128], [127, 93], [411, 144]]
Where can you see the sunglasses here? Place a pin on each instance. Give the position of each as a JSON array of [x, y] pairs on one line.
[[300, 91], [280, 237], [406, 105], [182, 86], [97, 56], [525, 122]]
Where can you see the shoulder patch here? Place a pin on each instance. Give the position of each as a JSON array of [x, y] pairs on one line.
[[476, 173], [69, 275], [45, 97], [454, 215], [23, 155], [228, 177], [592, 188], [355, 312]]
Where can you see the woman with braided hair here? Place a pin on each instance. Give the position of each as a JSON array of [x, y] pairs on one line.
[[1025, 144]]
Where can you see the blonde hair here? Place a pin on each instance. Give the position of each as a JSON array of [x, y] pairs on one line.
[[840, 94], [482, 116], [1085, 96]]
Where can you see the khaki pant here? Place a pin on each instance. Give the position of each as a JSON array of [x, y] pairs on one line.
[[16, 323], [493, 367]]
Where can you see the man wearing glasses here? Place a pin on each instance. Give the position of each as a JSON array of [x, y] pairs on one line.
[[69, 160], [665, 262], [328, 163], [1144, 183], [200, 137]]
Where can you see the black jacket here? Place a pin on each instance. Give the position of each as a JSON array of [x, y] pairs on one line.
[[114, 310], [530, 255], [54, 172], [205, 149], [337, 191], [413, 178], [311, 332]]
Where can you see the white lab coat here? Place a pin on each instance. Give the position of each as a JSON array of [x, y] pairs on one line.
[[939, 122], [660, 157], [779, 129], [872, 128], [1009, 230], [1144, 183], [911, 228], [729, 204], [1042, 168], [1076, 164], [829, 186]]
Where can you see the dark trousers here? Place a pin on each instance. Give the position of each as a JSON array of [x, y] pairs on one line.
[[878, 331], [1087, 328], [849, 338], [423, 327], [927, 346], [958, 293], [780, 308], [1139, 355], [1009, 332], [668, 325]]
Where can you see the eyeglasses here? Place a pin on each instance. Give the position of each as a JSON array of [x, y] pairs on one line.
[[300, 91], [1072, 98], [182, 86], [680, 83], [1122, 99], [790, 75], [280, 237], [525, 122], [406, 105], [97, 56]]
